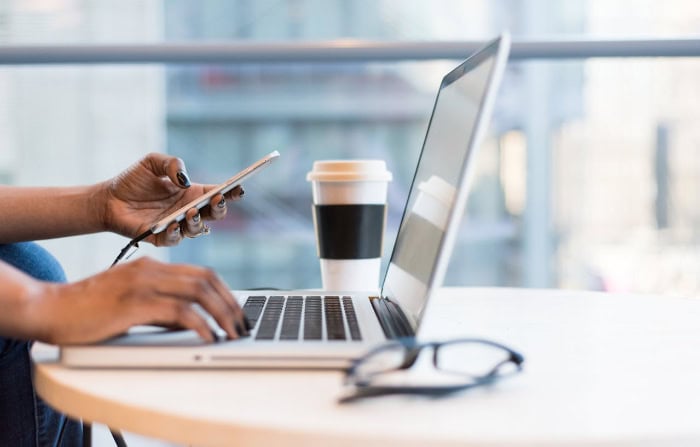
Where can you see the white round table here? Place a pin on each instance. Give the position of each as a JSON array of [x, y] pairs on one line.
[[600, 369]]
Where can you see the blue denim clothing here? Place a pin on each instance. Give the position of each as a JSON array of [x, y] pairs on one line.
[[25, 419]]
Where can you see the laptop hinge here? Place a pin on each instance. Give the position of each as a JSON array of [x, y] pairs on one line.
[[391, 318]]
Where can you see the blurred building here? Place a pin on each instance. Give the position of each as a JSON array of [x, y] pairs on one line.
[[588, 180], [78, 124], [221, 117]]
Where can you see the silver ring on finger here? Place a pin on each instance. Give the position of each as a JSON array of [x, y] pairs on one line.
[[205, 230]]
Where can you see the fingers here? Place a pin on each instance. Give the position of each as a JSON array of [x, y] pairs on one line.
[[235, 194], [174, 313], [241, 323], [170, 237], [193, 223], [191, 284], [173, 167], [218, 208], [208, 290]]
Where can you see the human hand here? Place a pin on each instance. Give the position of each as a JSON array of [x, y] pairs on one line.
[[151, 189], [144, 291]]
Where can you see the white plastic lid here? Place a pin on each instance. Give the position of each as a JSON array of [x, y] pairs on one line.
[[349, 171]]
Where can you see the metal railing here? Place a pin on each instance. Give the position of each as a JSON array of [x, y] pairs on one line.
[[335, 51]]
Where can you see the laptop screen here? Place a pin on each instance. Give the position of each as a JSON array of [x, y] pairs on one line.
[[421, 248]]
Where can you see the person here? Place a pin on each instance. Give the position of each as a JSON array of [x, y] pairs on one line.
[[36, 303]]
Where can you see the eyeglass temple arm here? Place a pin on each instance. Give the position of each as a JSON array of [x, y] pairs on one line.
[[514, 358]]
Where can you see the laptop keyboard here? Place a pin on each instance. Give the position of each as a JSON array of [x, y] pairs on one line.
[[309, 318]]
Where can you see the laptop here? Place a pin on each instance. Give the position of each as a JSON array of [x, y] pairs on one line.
[[314, 329]]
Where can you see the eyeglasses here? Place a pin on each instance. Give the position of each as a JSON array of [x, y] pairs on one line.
[[456, 365]]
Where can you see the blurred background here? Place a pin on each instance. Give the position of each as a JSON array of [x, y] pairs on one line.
[[589, 179]]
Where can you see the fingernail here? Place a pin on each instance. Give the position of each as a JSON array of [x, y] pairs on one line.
[[196, 218], [240, 330], [176, 231], [183, 179], [221, 203]]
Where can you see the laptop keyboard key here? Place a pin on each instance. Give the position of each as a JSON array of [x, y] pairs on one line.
[[292, 318], [334, 318], [267, 314], [270, 318], [312, 318], [253, 308], [351, 318]]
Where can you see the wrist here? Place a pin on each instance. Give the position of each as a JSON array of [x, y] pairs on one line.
[[99, 198], [33, 310], [42, 316], [23, 300]]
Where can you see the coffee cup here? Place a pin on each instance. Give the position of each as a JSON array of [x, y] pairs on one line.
[[349, 214]]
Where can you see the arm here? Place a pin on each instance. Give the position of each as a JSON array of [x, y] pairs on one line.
[[127, 204], [144, 291], [16, 288], [44, 213], [139, 292]]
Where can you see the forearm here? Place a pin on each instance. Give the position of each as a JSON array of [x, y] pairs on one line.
[[48, 212], [18, 295]]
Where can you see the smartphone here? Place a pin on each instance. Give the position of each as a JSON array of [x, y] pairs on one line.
[[203, 200]]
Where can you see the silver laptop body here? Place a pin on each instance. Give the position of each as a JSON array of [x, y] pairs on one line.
[[321, 329]]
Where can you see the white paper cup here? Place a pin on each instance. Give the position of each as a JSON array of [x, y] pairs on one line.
[[349, 210]]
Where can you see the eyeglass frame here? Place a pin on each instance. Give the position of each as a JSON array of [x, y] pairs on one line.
[[413, 349]]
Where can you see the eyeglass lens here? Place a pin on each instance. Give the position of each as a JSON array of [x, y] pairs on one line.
[[472, 359], [388, 358]]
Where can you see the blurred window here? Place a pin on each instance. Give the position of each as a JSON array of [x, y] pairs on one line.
[[588, 180]]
